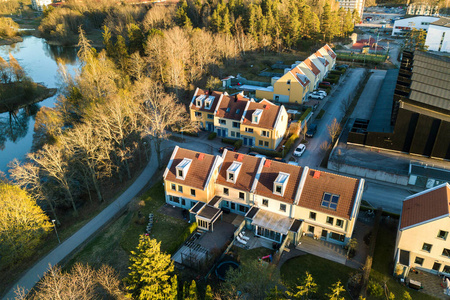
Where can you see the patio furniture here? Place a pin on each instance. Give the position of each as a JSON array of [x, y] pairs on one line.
[[241, 240], [242, 236], [414, 284]]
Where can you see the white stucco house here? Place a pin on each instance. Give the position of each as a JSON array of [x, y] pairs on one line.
[[40, 4], [438, 36], [403, 26]]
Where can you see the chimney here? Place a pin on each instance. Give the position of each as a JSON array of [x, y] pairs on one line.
[[235, 98], [210, 91], [240, 157], [201, 156], [316, 174]]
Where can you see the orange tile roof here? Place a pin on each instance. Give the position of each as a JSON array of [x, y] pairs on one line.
[[323, 60], [314, 188], [425, 206], [303, 81], [198, 171], [246, 175], [330, 51], [270, 173], [268, 116], [312, 66], [235, 105], [202, 108]]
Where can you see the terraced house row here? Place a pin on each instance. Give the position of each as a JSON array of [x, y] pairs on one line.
[[260, 124], [278, 200], [302, 78]]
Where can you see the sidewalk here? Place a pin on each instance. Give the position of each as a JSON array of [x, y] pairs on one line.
[[33, 275]]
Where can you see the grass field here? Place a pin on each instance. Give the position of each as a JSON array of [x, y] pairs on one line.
[[368, 58]]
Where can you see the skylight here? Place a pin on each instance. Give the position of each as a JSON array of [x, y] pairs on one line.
[[330, 201]]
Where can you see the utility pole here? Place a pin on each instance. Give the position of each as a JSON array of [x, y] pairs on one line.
[[56, 231]]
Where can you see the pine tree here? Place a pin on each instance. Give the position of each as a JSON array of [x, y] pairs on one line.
[[181, 15], [208, 293], [192, 293], [173, 288], [348, 23], [149, 271], [307, 287], [107, 41], [136, 39], [336, 291], [326, 20]]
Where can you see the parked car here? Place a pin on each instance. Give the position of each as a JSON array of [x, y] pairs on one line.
[[293, 163], [299, 150], [321, 92], [325, 83], [256, 154], [316, 96], [340, 67], [311, 130], [229, 148]]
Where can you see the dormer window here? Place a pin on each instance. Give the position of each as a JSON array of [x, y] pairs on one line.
[[233, 171], [256, 116], [182, 168], [199, 100], [279, 185], [208, 102]]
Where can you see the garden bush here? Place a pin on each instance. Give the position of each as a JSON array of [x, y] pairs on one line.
[[228, 141], [238, 144], [375, 289], [266, 152], [305, 114], [289, 143], [212, 136]]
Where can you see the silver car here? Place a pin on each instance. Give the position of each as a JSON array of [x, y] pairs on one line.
[[299, 150]]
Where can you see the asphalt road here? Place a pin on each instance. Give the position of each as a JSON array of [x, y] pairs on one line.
[[389, 197], [313, 154]]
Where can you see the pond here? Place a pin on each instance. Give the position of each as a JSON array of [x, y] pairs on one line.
[[38, 59]]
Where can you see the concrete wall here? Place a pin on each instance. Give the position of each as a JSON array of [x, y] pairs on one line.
[[367, 173]]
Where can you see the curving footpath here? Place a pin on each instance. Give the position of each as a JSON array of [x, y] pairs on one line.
[[33, 275]]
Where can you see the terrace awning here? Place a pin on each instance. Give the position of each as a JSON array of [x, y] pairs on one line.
[[272, 221]]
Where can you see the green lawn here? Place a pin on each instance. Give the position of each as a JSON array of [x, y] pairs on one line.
[[324, 272], [363, 57], [247, 255], [113, 245], [383, 264]]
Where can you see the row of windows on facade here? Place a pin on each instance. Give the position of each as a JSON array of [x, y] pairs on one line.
[[264, 133], [180, 189], [442, 234], [436, 266]]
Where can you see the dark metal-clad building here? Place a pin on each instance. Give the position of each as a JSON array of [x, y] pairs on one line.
[[412, 111]]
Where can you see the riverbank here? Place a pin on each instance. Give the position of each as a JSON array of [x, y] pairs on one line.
[[10, 41], [16, 96]]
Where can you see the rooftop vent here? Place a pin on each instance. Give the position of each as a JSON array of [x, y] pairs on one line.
[[201, 156], [240, 157], [267, 163], [316, 174]]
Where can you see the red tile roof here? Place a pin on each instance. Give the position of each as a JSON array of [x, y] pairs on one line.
[[330, 51], [198, 172], [234, 104], [425, 206], [312, 66], [314, 189], [321, 58], [270, 173], [246, 175], [202, 108], [268, 116]]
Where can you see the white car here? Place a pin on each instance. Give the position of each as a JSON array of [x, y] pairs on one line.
[[299, 150], [293, 163], [316, 96], [323, 93]]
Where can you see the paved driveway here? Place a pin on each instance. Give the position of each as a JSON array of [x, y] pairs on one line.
[[313, 154]]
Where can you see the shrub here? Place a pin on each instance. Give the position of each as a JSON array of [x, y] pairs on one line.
[[228, 141], [181, 238], [190, 133], [212, 136], [320, 114], [269, 153], [289, 143], [375, 289], [238, 144], [305, 114]]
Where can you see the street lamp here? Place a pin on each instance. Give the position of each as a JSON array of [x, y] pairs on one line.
[[56, 231]]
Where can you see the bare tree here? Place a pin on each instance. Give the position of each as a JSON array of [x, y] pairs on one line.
[[345, 104], [324, 146], [53, 161], [333, 129], [161, 113]]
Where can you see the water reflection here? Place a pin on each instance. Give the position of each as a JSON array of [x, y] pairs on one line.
[[14, 124], [38, 59]]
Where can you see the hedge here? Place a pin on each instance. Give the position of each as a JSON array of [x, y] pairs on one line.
[[305, 113], [269, 153], [238, 144], [190, 133], [228, 141], [289, 143], [212, 136], [182, 238]]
